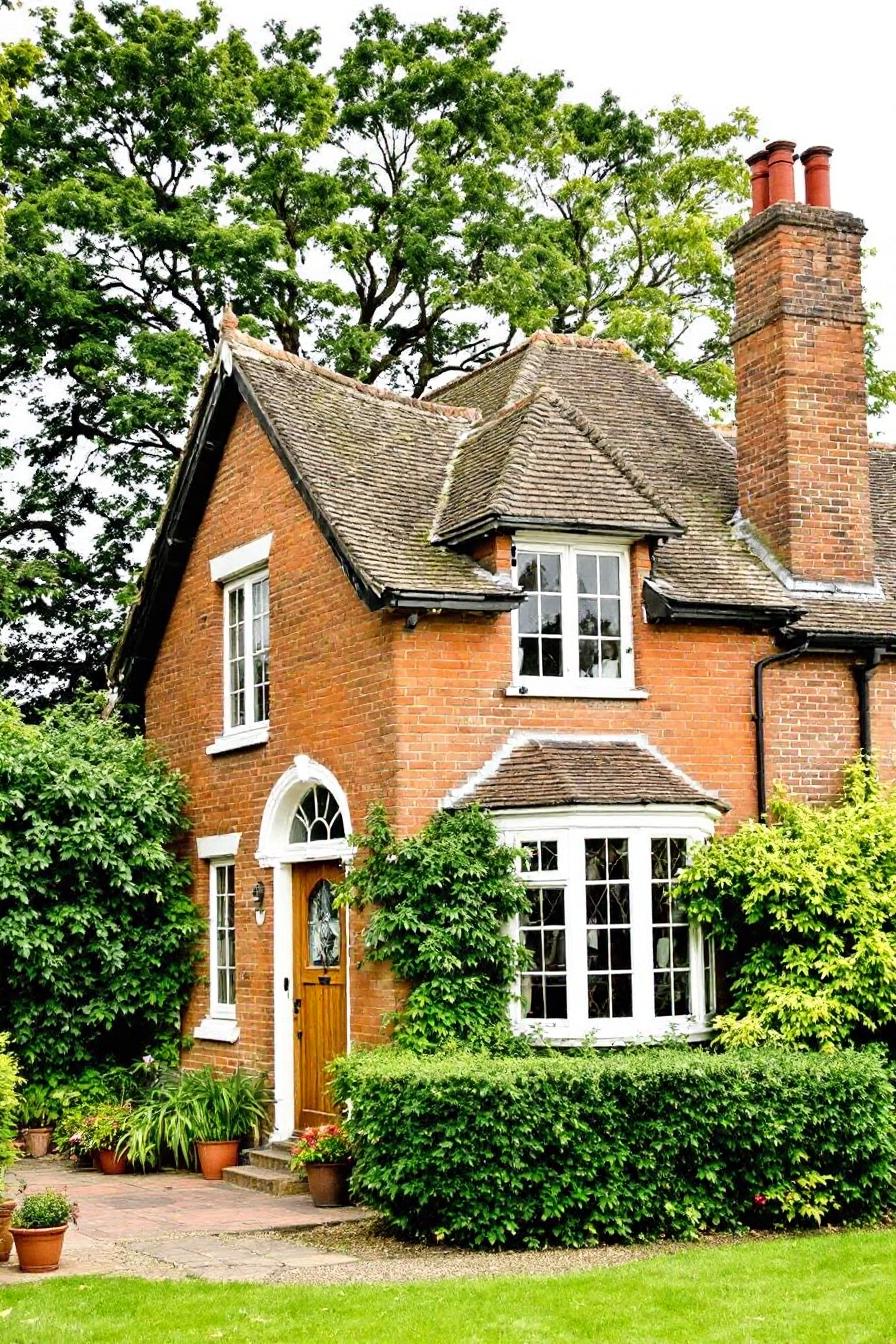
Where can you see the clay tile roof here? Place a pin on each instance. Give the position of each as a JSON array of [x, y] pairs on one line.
[[542, 462], [371, 464], [553, 771]]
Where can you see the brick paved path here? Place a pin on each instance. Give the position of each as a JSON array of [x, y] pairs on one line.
[[165, 1224]]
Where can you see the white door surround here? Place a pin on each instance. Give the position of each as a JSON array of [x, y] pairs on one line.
[[277, 853]]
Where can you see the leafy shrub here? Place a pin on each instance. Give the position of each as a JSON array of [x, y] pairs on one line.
[[571, 1150], [321, 1143], [441, 901], [97, 928], [49, 1208], [809, 906], [194, 1106], [9, 1105]]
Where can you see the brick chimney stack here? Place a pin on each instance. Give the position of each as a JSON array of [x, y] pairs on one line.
[[798, 338]]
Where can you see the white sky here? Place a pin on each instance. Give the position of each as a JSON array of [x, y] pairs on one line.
[[812, 72]]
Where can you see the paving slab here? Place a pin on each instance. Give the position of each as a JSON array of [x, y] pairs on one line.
[[173, 1224]]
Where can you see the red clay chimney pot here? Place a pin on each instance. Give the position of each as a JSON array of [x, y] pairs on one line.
[[816, 163], [758, 166], [780, 170]]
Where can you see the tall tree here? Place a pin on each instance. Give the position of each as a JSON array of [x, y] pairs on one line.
[[404, 216]]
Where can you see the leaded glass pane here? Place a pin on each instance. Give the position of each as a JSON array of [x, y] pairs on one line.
[[543, 932], [317, 817], [608, 928], [324, 934], [671, 931]]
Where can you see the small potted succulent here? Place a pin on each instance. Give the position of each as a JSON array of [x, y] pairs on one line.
[[39, 1225], [325, 1153]]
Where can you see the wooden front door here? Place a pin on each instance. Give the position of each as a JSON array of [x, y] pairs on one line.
[[319, 984]]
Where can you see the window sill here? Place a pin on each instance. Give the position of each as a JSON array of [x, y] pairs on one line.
[[236, 741], [223, 1029], [574, 690], [572, 1034]]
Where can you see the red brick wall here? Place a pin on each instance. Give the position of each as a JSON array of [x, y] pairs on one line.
[[802, 440], [330, 677], [403, 716]]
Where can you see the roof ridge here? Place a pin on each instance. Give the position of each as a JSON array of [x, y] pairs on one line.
[[541, 336], [604, 445], [237, 338]]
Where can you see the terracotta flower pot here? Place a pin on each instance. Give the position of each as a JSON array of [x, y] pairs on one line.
[[111, 1164], [38, 1248], [6, 1208], [328, 1183], [37, 1140], [215, 1155]]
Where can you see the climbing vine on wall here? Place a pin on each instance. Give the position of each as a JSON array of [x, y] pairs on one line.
[[440, 902]]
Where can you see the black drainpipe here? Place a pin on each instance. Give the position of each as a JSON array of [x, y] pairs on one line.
[[786, 656], [863, 674]]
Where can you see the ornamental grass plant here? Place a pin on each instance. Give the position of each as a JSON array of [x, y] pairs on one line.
[[194, 1105]]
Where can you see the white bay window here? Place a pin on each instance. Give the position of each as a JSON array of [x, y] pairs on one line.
[[613, 957]]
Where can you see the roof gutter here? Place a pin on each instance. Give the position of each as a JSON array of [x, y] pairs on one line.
[[410, 600], [660, 607], [493, 522]]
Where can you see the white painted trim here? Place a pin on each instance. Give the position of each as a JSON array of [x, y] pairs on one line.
[[537, 687], [245, 585], [219, 1012], [239, 738], [221, 1029], [276, 852], [569, 827], [242, 559], [567, 547], [218, 846]]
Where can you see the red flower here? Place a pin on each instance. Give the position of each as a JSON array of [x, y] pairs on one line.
[[760, 1200]]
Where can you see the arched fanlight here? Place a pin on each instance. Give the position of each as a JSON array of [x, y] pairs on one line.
[[317, 817]]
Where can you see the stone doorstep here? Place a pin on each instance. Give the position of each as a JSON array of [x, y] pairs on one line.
[[275, 1157], [267, 1180]]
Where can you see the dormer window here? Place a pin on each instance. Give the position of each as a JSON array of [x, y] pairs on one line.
[[573, 631]]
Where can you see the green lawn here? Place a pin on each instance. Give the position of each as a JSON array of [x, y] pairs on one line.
[[836, 1289]]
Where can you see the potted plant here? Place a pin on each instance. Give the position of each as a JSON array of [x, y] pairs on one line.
[[36, 1116], [325, 1153], [225, 1111], [9, 1084], [103, 1133], [38, 1227]]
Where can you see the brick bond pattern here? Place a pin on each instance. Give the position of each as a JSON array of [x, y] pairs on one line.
[[403, 716]]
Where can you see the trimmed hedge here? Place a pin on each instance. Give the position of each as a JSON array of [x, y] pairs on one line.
[[568, 1150]]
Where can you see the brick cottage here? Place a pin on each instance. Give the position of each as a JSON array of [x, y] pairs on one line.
[[551, 588]]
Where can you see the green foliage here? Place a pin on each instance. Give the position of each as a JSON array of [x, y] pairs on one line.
[[403, 217], [9, 1105], [194, 1105], [440, 901], [321, 1143], [97, 927], [566, 1150], [48, 1208], [809, 906]]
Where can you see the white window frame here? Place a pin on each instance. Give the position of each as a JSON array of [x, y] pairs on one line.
[[570, 683], [241, 568], [221, 1023], [569, 829], [246, 586]]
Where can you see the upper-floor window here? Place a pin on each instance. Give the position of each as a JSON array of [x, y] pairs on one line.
[[573, 631], [246, 652]]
